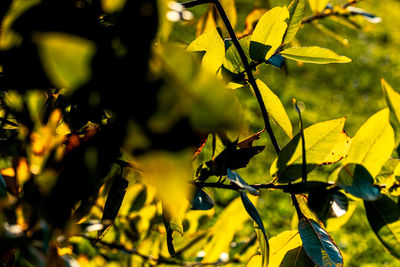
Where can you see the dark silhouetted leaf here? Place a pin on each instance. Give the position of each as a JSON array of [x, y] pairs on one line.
[[259, 227], [318, 244], [3, 187], [113, 203], [384, 217], [201, 200], [276, 60], [356, 180], [231, 158]]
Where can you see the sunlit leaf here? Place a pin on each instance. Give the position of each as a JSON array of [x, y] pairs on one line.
[[9, 37], [232, 60], [318, 5], [384, 217], [281, 244], [275, 108], [66, 58], [264, 246], [392, 99], [373, 143], [221, 234], [196, 94], [285, 248], [251, 21], [268, 35], [313, 54], [168, 174], [320, 139], [336, 223], [211, 18], [296, 13], [318, 244], [356, 180], [212, 43]]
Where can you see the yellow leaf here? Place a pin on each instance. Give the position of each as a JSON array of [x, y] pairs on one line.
[[373, 143], [281, 244], [110, 6], [229, 222], [392, 99], [66, 58], [335, 224], [318, 5], [275, 108], [212, 43], [320, 141], [314, 54], [255, 261], [168, 173], [268, 34]]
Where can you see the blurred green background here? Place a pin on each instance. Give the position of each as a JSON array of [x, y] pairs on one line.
[[326, 92]]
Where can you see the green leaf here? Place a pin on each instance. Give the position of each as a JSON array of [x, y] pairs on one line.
[[317, 5], [220, 236], [66, 58], [296, 14], [286, 250], [318, 244], [232, 61], [384, 217], [275, 108], [313, 54], [264, 247], [212, 43], [195, 94], [320, 140], [268, 34], [373, 143], [259, 227], [235, 178], [356, 180], [392, 99]]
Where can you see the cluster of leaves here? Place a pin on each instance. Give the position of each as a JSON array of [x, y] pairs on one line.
[[111, 143]]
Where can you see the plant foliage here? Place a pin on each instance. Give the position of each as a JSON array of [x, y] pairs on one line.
[[120, 145]]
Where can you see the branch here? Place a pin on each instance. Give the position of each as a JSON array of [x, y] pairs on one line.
[[235, 187], [249, 73], [328, 14]]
